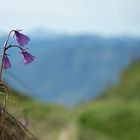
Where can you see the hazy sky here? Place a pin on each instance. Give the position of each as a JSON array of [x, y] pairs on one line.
[[72, 16]]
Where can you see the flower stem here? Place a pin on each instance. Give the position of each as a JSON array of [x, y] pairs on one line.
[[4, 52], [16, 46]]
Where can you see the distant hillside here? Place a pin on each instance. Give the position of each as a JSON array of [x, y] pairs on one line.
[[128, 87], [116, 114], [71, 69]]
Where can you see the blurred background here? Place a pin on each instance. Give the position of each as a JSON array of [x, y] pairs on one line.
[[85, 81]]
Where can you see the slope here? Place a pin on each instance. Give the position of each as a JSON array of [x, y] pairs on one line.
[[116, 114]]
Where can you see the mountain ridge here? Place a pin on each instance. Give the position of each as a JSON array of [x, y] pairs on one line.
[[68, 70]]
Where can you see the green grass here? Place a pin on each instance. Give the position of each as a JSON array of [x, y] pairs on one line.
[[45, 120], [116, 114]]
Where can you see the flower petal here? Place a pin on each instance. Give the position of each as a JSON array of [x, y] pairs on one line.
[[21, 38], [6, 62], [27, 57]]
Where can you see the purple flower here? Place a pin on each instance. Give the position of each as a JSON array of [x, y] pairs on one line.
[[27, 57], [6, 62], [25, 122], [21, 38]]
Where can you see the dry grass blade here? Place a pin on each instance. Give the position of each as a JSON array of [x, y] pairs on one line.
[[12, 129]]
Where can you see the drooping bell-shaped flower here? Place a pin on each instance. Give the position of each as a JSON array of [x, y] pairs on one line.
[[21, 38], [6, 62], [27, 57]]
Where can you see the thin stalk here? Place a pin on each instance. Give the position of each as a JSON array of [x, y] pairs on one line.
[[4, 52], [5, 99], [16, 46]]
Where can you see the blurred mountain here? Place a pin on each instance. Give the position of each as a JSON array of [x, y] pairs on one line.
[[72, 69]]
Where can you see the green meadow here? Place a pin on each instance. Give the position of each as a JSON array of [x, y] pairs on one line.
[[115, 115]]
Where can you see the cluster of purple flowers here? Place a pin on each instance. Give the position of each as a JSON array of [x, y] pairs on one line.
[[22, 40]]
